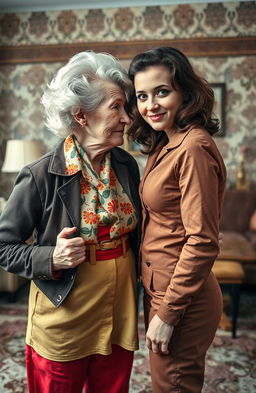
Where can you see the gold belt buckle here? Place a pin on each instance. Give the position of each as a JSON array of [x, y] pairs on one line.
[[108, 245]]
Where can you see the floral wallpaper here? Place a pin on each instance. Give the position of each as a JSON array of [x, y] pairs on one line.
[[110, 24], [21, 85]]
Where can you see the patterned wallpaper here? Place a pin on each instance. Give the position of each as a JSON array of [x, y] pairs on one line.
[[21, 85], [124, 24]]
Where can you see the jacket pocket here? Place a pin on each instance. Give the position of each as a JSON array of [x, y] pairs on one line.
[[161, 280], [146, 275]]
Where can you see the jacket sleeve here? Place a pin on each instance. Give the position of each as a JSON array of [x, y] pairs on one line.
[[18, 221], [198, 172]]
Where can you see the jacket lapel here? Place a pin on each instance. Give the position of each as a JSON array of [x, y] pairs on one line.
[[69, 191], [69, 194]]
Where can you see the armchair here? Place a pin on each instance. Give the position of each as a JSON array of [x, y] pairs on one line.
[[239, 242]]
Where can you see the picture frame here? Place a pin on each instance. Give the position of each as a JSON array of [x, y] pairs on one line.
[[219, 90]]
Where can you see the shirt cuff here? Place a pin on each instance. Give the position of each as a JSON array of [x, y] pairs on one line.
[[171, 317]]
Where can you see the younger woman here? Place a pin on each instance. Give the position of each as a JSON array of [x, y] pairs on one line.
[[181, 191]]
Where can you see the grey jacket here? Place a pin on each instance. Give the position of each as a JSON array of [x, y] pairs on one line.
[[44, 201]]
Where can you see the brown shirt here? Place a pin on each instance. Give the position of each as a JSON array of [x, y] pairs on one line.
[[182, 192]]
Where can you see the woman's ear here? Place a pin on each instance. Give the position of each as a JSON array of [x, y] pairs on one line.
[[80, 118]]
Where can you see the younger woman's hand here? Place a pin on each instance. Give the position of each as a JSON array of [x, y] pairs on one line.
[[221, 237], [158, 335], [68, 253]]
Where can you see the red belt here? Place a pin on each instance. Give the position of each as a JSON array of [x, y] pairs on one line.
[[106, 249]]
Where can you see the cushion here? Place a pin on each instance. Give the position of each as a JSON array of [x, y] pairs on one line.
[[229, 271]]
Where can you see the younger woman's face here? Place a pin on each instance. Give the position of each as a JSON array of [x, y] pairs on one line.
[[157, 101]]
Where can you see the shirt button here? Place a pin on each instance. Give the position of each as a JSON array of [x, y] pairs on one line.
[[59, 297]]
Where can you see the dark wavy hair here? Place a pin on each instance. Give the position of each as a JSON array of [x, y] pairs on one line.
[[198, 97]]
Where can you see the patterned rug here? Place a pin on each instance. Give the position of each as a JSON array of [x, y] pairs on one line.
[[230, 366]]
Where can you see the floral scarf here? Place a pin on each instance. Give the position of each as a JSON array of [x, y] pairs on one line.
[[103, 200]]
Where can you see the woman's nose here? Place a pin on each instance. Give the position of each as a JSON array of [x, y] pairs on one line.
[[152, 104], [125, 118]]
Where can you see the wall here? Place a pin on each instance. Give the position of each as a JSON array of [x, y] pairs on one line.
[[22, 84]]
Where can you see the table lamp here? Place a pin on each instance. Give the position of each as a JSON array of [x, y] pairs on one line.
[[20, 152]]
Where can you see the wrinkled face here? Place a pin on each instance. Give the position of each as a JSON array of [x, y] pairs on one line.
[[104, 127], [157, 101]]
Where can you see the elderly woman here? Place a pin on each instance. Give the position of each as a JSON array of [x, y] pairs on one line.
[[80, 201]]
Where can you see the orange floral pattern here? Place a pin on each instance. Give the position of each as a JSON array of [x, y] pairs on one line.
[[89, 217], [103, 200], [100, 185], [113, 205], [71, 169], [68, 143], [112, 178], [126, 208], [84, 187]]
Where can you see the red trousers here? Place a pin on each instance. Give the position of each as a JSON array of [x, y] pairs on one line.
[[94, 373]]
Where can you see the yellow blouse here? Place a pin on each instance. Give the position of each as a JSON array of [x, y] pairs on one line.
[[99, 311]]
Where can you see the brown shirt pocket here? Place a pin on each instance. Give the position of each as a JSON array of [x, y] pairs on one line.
[[155, 280], [146, 275], [161, 280]]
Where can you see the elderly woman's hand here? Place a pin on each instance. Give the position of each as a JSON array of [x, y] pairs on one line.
[[68, 253]]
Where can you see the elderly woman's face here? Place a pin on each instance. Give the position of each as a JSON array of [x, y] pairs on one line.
[[104, 126]]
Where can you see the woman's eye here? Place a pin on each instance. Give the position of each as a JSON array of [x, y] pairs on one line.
[[116, 106], [141, 97], [163, 92]]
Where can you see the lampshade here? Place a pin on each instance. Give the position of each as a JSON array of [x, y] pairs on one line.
[[20, 152]]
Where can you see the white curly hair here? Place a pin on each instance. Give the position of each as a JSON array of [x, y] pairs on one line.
[[78, 85]]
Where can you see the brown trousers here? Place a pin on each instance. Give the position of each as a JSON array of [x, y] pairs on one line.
[[183, 369]]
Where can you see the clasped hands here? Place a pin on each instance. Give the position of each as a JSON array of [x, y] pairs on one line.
[[68, 253], [158, 336]]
